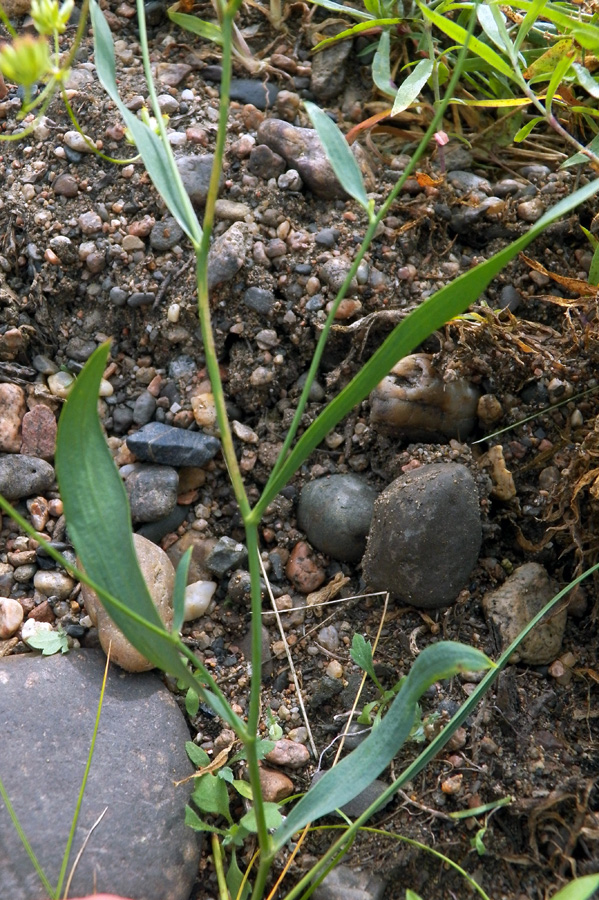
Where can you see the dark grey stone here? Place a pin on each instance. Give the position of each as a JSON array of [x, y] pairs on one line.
[[144, 409], [155, 531], [509, 298], [343, 883], [425, 536], [118, 296], [165, 235], [195, 173], [141, 298], [464, 182], [327, 237], [170, 446], [79, 349], [260, 300], [326, 689], [259, 94], [141, 847], [328, 69], [22, 476], [227, 554], [336, 512], [152, 491], [265, 163], [122, 419]]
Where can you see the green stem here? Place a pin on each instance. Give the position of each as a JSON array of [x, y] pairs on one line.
[[217, 857], [23, 837]]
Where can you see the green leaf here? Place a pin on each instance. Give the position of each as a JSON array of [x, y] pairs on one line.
[[158, 161], [210, 31], [587, 36], [559, 72], [353, 31], [412, 895], [179, 591], [523, 133], [361, 653], [234, 879], [477, 842], [243, 788], [344, 10], [226, 774], [488, 24], [410, 89], [580, 158], [459, 34], [210, 795], [579, 889], [192, 703], [381, 66], [586, 80], [49, 642], [594, 269], [354, 773], [193, 820], [530, 20], [272, 816], [342, 160], [199, 757]]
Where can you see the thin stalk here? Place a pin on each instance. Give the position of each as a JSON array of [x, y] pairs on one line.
[[217, 857], [88, 141], [279, 476]]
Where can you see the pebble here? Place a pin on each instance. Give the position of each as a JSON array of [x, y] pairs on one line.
[[464, 182], [275, 785], [152, 491], [228, 253], [289, 753], [170, 446], [335, 513], [195, 173], [301, 569], [142, 843], [425, 536], [265, 163], [53, 584], [60, 384], [302, 149], [344, 883], [159, 576], [11, 617], [328, 74], [226, 554], [328, 637], [22, 476], [165, 235], [12, 410], [510, 607], [503, 487], [415, 401], [259, 93], [204, 409], [79, 349], [531, 210], [260, 300], [172, 74], [90, 223], [77, 142], [198, 596], [144, 408], [509, 298], [141, 298], [489, 409], [290, 181], [65, 185]]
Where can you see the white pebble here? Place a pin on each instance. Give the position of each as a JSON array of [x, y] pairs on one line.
[[31, 628], [106, 389], [11, 616], [60, 384], [77, 142], [173, 313], [197, 599]]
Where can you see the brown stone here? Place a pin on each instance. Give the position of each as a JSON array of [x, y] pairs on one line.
[[12, 410], [301, 569], [289, 753], [275, 785], [39, 433], [42, 613]]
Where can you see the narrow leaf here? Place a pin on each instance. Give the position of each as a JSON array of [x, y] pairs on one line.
[[410, 89], [344, 10], [381, 66], [594, 269], [354, 773], [339, 155], [530, 20], [559, 72], [210, 31], [488, 24], [353, 31], [523, 133], [361, 653], [581, 158], [586, 80], [579, 889], [179, 591]]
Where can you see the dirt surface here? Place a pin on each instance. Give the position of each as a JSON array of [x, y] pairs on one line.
[[535, 736]]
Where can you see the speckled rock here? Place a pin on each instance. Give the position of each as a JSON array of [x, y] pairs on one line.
[[276, 786], [12, 410], [228, 254], [302, 149], [22, 476], [329, 69], [302, 570], [510, 607], [165, 234], [159, 576], [39, 433], [160, 443], [425, 536], [141, 847], [344, 883], [195, 174], [152, 491], [288, 753], [336, 513]]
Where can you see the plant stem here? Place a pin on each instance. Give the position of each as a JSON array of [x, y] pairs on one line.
[[217, 857]]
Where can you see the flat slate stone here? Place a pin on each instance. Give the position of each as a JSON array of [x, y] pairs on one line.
[[141, 848], [170, 446]]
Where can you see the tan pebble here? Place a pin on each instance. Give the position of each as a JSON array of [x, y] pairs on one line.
[[53, 584], [55, 508], [301, 569], [503, 481], [275, 785], [12, 410], [51, 257], [39, 512], [60, 384], [132, 242], [334, 669], [346, 309], [489, 410], [458, 739], [452, 785], [197, 599], [488, 745], [190, 478], [288, 753], [204, 410], [261, 376], [11, 616], [244, 433]]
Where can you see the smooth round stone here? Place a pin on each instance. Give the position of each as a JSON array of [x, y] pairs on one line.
[[336, 513], [53, 584], [165, 234], [425, 536], [197, 599], [159, 575], [141, 847], [11, 616], [60, 384], [22, 476]]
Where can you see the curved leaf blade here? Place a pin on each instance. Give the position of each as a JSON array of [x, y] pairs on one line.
[[409, 90], [342, 160]]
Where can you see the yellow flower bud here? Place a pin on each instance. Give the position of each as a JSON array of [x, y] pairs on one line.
[[48, 18], [25, 61]]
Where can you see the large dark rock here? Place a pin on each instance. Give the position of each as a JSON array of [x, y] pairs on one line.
[[141, 848], [152, 491], [170, 446], [22, 476], [336, 513], [425, 536]]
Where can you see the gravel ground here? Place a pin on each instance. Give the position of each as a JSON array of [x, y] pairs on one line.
[[88, 252]]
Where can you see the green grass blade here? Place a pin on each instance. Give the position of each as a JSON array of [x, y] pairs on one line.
[[344, 10], [207, 30], [475, 45], [179, 590], [529, 21], [438, 309], [157, 160], [342, 160], [579, 889], [354, 773], [354, 30]]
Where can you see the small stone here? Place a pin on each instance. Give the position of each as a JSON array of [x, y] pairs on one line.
[[226, 554], [425, 535], [531, 210], [503, 480], [141, 298], [328, 74], [90, 223], [131, 243], [195, 172], [77, 142], [38, 512], [336, 512], [228, 253], [31, 628], [301, 569], [11, 616], [328, 637], [489, 409], [197, 599], [275, 785], [22, 476], [165, 235], [415, 401], [244, 433], [159, 576], [465, 182], [260, 300], [172, 74], [152, 491], [255, 92], [289, 753], [144, 408], [79, 349], [204, 409], [65, 185], [12, 410], [510, 607], [60, 384], [265, 163], [344, 883], [169, 446], [53, 584], [43, 613]]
